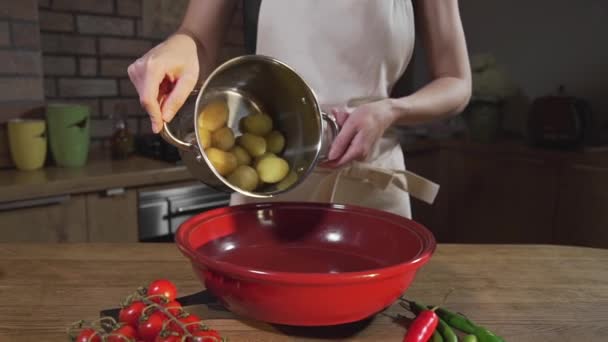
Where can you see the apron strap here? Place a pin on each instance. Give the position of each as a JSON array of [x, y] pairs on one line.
[[419, 187], [334, 187]]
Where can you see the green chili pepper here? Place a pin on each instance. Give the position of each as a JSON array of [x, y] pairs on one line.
[[463, 324], [485, 335], [470, 338], [436, 337], [447, 332], [457, 321]]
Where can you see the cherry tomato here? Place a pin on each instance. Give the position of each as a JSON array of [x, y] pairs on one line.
[[174, 307], [148, 329], [127, 331], [188, 321], [162, 287], [88, 335], [205, 336], [130, 314]]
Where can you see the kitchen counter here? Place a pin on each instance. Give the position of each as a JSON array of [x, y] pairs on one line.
[[590, 156], [99, 173], [522, 292]]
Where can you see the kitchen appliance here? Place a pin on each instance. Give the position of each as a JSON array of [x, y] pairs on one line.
[[252, 84], [162, 211], [305, 264], [559, 121]]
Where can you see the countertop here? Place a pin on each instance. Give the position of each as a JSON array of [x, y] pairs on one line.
[[522, 292], [592, 156], [100, 173]]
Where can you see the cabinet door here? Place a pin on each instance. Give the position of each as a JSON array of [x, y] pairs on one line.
[[498, 199], [51, 219], [112, 217], [582, 209]]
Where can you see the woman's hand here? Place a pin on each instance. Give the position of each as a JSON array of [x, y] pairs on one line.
[[165, 76], [360, 130]]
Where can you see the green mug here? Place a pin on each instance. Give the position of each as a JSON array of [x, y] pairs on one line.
[[69, 133]]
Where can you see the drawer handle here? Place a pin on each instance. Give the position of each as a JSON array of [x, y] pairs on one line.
[[38, 202], [207, 205]]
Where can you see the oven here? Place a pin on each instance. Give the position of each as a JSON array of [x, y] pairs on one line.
[[161, 212]]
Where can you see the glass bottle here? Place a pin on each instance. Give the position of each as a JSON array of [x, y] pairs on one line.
[[122, 140]]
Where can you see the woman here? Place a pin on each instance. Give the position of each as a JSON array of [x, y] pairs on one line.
[[345, 50]]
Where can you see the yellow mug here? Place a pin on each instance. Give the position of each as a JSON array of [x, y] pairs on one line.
[[27, 141]]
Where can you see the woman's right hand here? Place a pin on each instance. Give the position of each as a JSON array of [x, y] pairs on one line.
[[165, 76]]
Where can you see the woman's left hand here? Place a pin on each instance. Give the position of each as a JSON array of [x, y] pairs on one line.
[[360, 130]]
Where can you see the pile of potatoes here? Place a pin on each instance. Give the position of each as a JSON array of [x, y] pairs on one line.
[[249, 160]]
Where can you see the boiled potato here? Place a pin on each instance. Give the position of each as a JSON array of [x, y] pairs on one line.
[[213, 116], [244, 177], [255, 145], [275, 142], [258, 124], [223, 138], [288, 181], [242, 156], [223, 162], [263, 156], [272, 169], [205, 137]]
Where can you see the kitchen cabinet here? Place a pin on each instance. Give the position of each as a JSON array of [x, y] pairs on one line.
[[498, 199], [112, 215], [582, 208], [92, 217], [94, 203], [49, 219], [509, 193]]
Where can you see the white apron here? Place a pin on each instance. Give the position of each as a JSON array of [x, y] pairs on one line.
[[347, 50]]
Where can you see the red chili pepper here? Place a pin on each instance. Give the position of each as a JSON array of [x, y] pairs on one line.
[[423, 327]]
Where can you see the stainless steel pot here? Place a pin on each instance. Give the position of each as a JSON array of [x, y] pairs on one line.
[[250, 84]]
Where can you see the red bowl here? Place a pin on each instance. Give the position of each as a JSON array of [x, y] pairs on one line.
[[305, 264]]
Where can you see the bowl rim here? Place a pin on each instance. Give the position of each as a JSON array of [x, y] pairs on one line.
[[426, 237]]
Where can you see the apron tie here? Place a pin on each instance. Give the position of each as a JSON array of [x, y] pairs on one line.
[[419, 187]]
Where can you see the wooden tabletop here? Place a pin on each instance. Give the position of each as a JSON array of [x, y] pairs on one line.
[[524, 293], [100, 173]]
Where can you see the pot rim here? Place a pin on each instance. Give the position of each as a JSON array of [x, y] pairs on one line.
[[197, 148]]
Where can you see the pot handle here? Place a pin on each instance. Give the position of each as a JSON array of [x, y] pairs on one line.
[[166, 134], [334, 128], [333, 124]]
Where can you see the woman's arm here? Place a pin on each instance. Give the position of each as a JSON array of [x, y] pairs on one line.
[[207, 22], [165, 75], [450, 89], [447, 94]]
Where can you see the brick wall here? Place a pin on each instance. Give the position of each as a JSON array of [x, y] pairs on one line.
[[20, 63], [21, 85], [87, 46]]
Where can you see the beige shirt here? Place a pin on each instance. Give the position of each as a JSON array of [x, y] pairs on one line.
[[344, 49]]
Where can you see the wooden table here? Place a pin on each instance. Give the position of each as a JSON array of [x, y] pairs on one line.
[[524, 293]]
